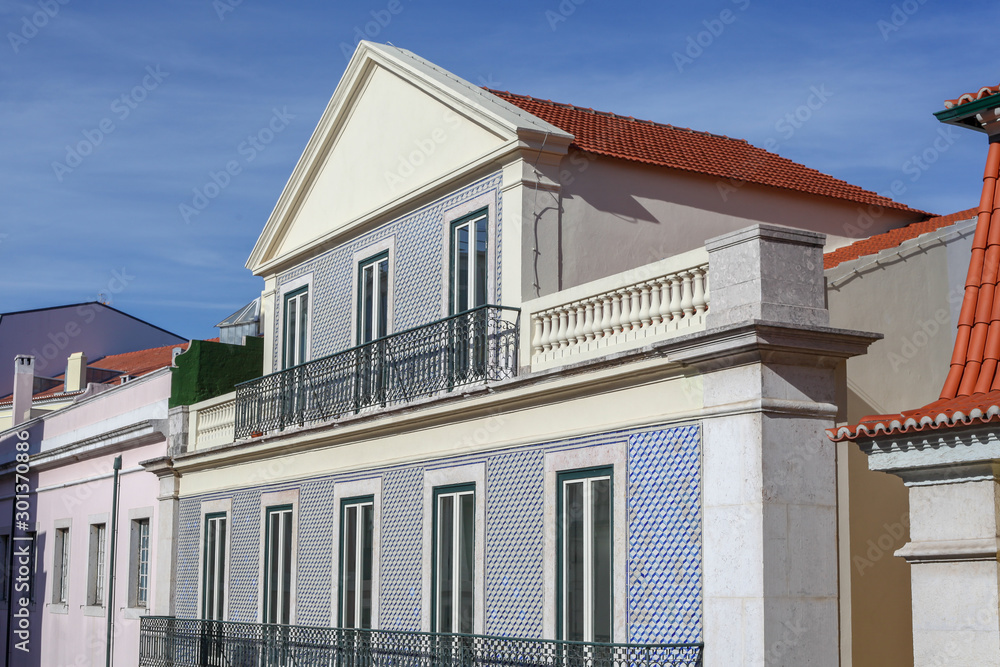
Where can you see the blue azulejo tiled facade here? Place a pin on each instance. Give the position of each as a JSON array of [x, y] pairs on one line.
[[418, 281], [663, 539]]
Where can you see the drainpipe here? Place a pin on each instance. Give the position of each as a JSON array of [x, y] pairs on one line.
[[111, 567]]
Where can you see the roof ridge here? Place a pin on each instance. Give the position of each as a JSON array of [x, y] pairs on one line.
[[612, 114]]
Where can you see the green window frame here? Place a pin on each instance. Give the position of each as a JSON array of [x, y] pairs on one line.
[[373, 298], [278, 554], [469, 266], [357, 562], [214, 563], [295, 327], [585, 555], [453, 559]]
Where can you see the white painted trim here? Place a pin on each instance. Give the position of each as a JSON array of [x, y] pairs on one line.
[[487, 200], [267, 500], [292, 285], [616, 456], [474, 473], [214, 507], [352, 489], [369, 251]]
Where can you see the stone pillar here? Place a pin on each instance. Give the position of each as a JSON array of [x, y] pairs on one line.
[[168, 521], [952, 475], [768, 365]]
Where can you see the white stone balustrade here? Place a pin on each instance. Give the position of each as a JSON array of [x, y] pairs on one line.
[[625, 310], [212, 422]]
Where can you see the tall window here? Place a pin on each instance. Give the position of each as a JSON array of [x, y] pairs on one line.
[[139, 564], [4, 565], [357, 529], [373, 298], [278, 565], [296, 327], [95, 575], [469, 266], [214, 597], [584, 555], [454, 538], [60, 566]]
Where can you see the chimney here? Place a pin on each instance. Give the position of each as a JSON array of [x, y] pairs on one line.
[[76, 372], [24, 382]]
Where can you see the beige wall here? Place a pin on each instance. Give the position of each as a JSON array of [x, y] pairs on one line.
[[617, 215], [912, 299]]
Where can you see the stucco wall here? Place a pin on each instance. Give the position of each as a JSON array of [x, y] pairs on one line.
[[914, 301]]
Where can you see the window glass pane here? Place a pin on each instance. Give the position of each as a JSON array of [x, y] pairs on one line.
[[272, 573], [383, 297], [211, 564], [600, 501], [350, 566], [446, 564], [286, 566], [220, 577], [462, 268], [467, 559], [481, 263], [300, 355], [367, 556], [290, 334], [573, 561], [368, 300]]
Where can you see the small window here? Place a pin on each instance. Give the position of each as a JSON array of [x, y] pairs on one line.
[[357, 529], [278, 565], [453, 606], [32, 564], [469, 262], [96, 571], [214, 591], [60, 566], [584, 555], [139, 564], [296, 330], [373, 298]]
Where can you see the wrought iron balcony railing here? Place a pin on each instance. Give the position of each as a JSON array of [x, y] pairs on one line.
[[479, 345], [171, 642]]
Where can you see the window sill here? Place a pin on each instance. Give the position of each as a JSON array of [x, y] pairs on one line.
[[135, 613], [58, 608], [93, 610]]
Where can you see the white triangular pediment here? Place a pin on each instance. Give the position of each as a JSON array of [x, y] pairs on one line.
[[392, 128]]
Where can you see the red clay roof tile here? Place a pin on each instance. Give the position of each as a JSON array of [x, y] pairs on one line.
[[985, 91], [680, 148]]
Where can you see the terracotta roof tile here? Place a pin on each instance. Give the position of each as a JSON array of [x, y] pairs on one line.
[[892, 238], [985, 91], [971, 391], [680, 148]]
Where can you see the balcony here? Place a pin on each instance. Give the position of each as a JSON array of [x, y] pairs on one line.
[[475, 347], [170, 642]]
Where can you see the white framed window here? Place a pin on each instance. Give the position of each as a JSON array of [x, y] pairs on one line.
[[469, 262], [296, 328], [584, 555], [454, 570], [586, 492], [139, 563], [216, 557], [357, 561], [454, 559], [60, 565], [278, 565], [373, 291], [96, 572], [365, 496], [279, 551]]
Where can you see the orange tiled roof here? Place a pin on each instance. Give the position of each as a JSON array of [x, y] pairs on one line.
[[971, 391], [985, 91], [892, 238], [680, 148], [134, 364]]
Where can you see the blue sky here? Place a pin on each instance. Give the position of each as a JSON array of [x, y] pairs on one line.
[[163, 94]]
